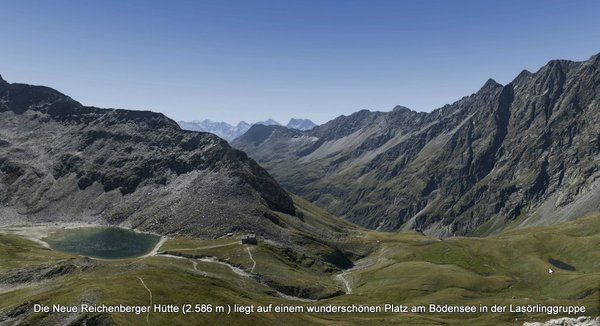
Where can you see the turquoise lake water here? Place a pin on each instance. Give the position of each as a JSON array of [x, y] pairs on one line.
[[103, 242]]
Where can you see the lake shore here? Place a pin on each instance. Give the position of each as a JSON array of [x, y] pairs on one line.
[[37, 232]]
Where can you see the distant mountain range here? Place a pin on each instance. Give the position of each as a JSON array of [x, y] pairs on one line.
[[229, 132], [525, 153], [221, 129]]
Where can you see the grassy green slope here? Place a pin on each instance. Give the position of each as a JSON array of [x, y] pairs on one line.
[[398, 268], [509, 268]]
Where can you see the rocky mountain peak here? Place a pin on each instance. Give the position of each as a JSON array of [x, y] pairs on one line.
[[523, 75], [300, 124], [400, 108], [490, 85], [269, 122], [258, 133], [557, 68], [2, 81]]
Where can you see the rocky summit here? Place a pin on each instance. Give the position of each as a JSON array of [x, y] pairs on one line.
[[520, 154], [62, 161], [300, 124]]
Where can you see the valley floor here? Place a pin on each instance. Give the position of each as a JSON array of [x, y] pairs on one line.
[[401, 269]]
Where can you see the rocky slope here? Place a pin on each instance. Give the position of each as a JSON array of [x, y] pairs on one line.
[[300, 124], [521, 154], [62, 161]]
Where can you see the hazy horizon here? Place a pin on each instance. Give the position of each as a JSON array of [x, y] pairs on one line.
[[250, 61]]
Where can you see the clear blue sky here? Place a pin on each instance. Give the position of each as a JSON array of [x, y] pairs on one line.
[[252, 60]]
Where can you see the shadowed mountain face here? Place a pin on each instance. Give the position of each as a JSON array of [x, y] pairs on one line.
[[522, 154], [61, 161]]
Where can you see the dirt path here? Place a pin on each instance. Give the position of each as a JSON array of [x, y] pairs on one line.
[[252, 259], [344, 277], [148, 315], [194, 263], [78, 268], [239, 272], [205, 247], [234, 269]]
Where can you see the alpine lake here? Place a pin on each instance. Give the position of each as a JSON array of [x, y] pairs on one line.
[[103, 242]]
